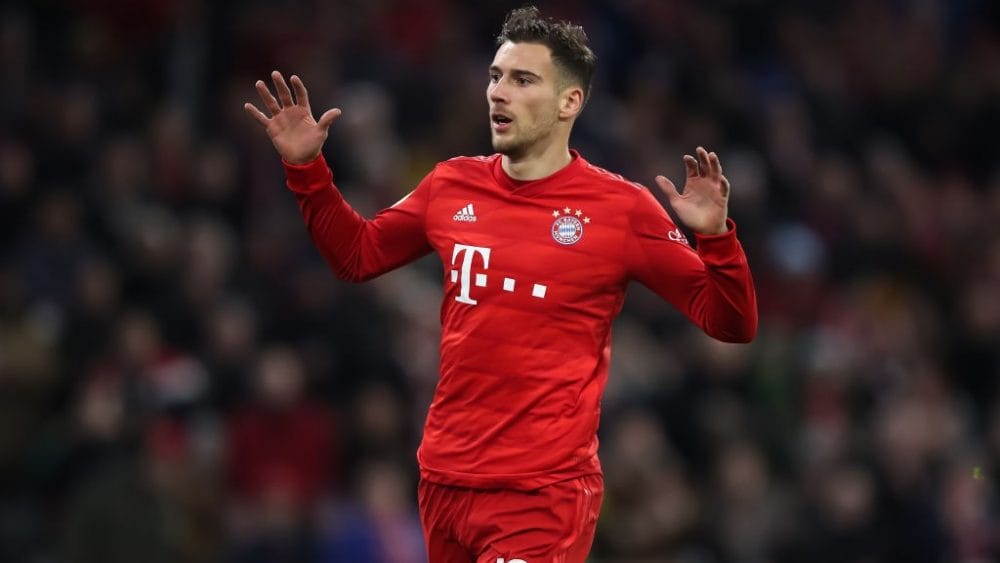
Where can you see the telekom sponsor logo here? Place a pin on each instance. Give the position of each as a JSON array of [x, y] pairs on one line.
[[464, 257]]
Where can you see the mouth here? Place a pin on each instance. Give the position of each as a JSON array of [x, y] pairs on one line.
[[500, 122]]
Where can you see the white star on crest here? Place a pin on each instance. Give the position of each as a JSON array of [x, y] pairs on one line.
[[566, 211], [555, 213], [586, 220]]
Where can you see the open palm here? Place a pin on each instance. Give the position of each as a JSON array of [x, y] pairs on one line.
[[703, 206], [296, 135]]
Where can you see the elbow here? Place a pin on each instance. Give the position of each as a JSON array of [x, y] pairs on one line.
[[351, 275], [748, 331], [741, 337], [349, 268], [743, 332], [743, 327]]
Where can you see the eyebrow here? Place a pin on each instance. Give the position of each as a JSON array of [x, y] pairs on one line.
[[516, 72]]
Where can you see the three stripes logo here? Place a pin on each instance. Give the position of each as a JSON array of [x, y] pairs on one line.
[[466, 214]]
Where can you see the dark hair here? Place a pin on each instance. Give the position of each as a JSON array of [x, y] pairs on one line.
[[567, 41]]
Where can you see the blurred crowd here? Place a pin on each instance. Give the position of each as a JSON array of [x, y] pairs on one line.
[[182, 379]]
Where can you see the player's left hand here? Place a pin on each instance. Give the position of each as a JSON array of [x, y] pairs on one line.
[[702, 207]]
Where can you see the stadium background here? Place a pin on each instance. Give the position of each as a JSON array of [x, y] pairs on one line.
[[167, 329]]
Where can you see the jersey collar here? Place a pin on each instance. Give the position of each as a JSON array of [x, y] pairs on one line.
[[527, 187]]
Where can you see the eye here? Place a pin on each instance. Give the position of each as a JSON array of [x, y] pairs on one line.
[[522, 81], [494, 77]]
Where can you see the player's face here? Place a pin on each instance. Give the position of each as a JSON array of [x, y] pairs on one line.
[[523, 95]]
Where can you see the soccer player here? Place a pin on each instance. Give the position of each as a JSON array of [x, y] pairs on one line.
[[537, 246]]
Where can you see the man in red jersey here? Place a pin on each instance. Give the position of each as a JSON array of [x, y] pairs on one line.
[[538, 246]]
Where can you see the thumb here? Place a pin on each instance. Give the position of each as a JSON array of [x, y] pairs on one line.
[[327, 118], [668, 187]]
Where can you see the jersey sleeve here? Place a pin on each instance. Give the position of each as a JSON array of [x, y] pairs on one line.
[[711, 286], [358, 249]]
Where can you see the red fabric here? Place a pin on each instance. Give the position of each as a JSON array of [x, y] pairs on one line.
[[523, 366], [288, 452], [554, 524]]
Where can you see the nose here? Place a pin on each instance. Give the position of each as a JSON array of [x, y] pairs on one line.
[[496, 92]]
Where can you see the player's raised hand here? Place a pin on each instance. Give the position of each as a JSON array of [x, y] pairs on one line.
[[703, 207], [295, 134]]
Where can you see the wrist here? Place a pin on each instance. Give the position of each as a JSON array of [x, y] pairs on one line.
[[719, 230], [309, 177], [727, 227], [302, 161]]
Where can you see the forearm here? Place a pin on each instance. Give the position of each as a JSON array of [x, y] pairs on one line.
[[711, 286], [724, 304], [356, 249], [337, 230]]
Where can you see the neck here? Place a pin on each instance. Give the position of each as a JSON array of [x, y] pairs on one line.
[[533, 166]]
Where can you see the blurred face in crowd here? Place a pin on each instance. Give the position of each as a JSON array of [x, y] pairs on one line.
[[531, 104], [280, 377]]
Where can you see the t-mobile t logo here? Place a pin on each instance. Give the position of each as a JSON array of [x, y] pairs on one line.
[[463, 275], [468, 254]]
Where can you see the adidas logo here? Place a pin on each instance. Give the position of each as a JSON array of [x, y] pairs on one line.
[[465, 214]]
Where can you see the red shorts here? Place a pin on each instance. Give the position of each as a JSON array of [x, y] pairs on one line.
[[553, 524]]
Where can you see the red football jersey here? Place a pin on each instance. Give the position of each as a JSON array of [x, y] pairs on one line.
[[534, 274]]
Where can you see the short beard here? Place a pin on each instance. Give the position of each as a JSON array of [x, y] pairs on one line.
[[518, 148], [511, 149]]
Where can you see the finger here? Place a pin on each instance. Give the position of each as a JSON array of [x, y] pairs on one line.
[[284, 94], [265, 95], [301, 96], [667, 187], [702, 160], [725, 187], [691, 165], [327, 118], [256, 114], [714, 166]]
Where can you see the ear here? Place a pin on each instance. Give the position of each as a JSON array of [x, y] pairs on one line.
[[570, 102]]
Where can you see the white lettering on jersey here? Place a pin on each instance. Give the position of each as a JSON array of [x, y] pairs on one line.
[[466, 270], [463, 274], [677, 236], [466, 214]]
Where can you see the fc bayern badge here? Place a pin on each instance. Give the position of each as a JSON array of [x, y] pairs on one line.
[[567, 230]]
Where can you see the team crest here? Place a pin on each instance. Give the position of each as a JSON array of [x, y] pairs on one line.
[[568, 227]]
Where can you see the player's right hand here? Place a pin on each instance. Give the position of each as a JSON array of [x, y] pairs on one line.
[[297, 137]]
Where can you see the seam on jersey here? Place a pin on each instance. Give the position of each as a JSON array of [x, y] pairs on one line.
[[580, 516], [583, 521], [427, 205], [630, 236], [615, 176]]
